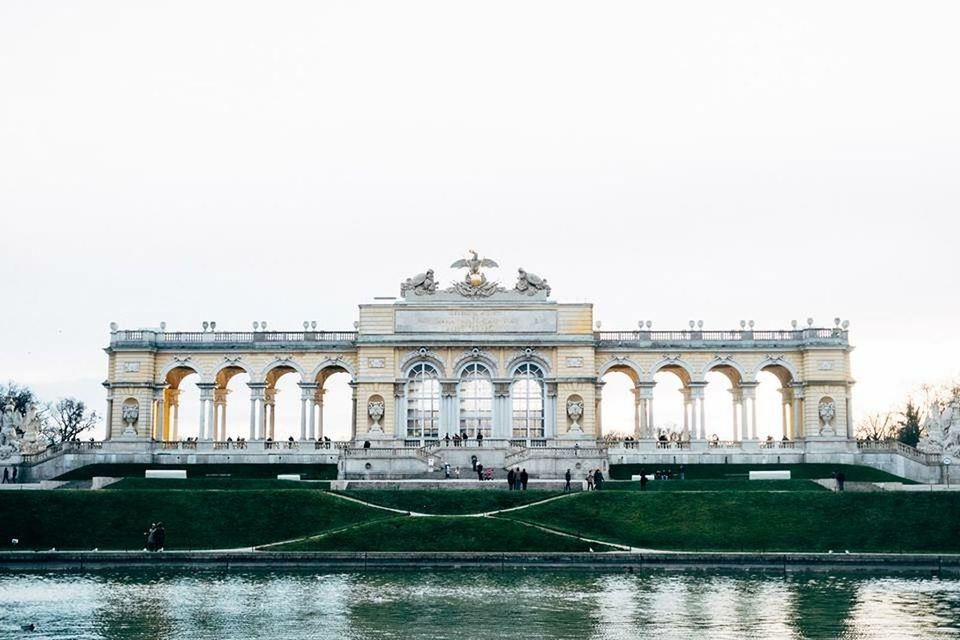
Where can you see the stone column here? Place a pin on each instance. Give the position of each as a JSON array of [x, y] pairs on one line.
[[159, 417], [597, 408], [685, 433], [550, 411], [399, 410], [355, 412], [797, 427], [698, 411], [176, 419], [220, 424], [308, 392], [736, 397], [643, 394], [206, 410], [749, 390], [269, 414], [256, 403], [448, 409], [109, 417]]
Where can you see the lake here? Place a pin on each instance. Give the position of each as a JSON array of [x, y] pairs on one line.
[[482, 605]]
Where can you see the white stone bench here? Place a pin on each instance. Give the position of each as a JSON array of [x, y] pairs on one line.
[[770, 475], [289, 476], [166, 474]]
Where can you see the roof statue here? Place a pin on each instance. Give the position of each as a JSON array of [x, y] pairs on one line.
[[475, 283], [420, 284], [530, 283]]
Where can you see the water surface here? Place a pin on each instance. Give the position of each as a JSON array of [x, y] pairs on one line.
[[486, 606]]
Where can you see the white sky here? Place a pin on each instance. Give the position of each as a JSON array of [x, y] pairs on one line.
[[284, 161]]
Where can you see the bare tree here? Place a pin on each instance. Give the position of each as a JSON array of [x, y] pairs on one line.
[[878, 427], [70, 419]]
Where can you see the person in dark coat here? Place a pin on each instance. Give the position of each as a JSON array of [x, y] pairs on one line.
[[643, 481], [524, 478], [152, 537], [511, 476], [841, 478], [566, 487], [598, 479], [479, 472], [161, 537]]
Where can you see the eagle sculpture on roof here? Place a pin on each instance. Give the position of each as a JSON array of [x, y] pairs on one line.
[[474, 263]]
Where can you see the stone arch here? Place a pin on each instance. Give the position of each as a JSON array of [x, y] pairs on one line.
[[337, 365], [423, 355], [233, 367], [174, 365], [728, 367], [624, 365], [287, 363], [780, 367], [531, 356], [476, 355], [678, 366]]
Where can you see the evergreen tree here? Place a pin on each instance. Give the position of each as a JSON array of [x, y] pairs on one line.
[[910, 428]]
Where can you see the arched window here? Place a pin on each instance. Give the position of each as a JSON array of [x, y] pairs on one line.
[[526, 395], [423, 402], [476, 401]]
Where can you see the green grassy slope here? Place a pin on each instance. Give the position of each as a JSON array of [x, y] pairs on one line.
[[798, 521], [406, 533], [450, 501], [193, 519]]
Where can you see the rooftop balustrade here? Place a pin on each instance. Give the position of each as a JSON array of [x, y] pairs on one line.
[[736, 338], [604, 339]]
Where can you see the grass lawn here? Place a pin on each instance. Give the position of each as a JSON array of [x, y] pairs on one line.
[[449, 501], [406, 533], [193, 519], [759, 521], [307, 471], [714, 485], [812, 471], [215, 484]]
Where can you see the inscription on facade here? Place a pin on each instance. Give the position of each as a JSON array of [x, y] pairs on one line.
[[131, 367], [575, 362], [476, 321], [376, 363]]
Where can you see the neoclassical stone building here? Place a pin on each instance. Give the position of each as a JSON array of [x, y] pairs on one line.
[[478, 357]]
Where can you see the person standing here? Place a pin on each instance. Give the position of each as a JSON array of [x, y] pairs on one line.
[[161, 537], [598, 479], [479, 439], [566, 486], [643, 481], [841, 478], [479, 472], [516, 479], [590, 480], [511, 476], [6, 475], [524, 478]]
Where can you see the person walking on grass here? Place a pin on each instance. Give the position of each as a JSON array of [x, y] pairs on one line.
[[566, 486], [598, 479]]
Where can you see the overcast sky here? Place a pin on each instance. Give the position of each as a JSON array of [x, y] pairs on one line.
[[283, 161]]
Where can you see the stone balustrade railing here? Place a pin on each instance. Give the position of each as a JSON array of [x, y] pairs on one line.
[[639, 338]]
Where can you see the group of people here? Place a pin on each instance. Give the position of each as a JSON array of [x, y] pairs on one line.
[[594, 479], [668, 474], [461, 438], [517, 479], [8, 477], [156, 537]]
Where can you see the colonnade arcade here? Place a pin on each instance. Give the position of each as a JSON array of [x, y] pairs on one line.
[[742, 422], [208, 421]]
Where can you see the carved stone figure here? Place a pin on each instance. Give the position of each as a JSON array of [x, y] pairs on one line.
[[828, 412], [420, 284], [531, 283], [130, 414], [475, 283], [575, 412], [474, 277], [9, 436], [375, 410], [942, 428]]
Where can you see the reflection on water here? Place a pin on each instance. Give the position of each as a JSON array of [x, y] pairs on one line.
[[487, 606]]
